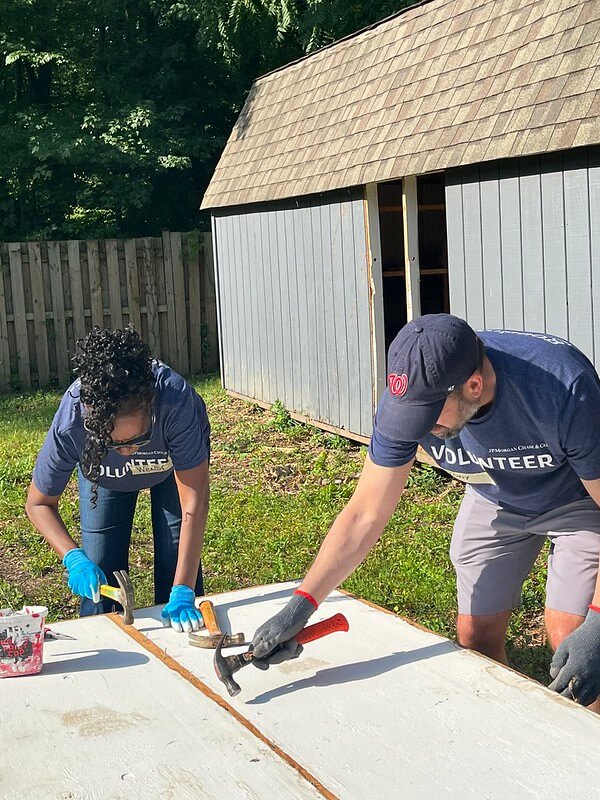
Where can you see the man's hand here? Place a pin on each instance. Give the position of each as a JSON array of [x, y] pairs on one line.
[[85, 577], [576, 663], [274, 641], [180, 612]]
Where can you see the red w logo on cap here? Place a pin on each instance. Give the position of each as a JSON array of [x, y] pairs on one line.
[[398, 384]]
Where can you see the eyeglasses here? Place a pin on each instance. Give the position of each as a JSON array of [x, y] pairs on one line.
[[132, 444]]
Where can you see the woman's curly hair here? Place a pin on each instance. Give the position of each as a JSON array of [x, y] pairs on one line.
[[114, 368]]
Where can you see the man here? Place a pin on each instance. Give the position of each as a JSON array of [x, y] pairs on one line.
[[516, 416]]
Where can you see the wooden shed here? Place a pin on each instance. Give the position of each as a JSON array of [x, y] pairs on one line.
[[445, 159]]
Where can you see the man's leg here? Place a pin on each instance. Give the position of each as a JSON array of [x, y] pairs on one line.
[[485, 633], [572, 570], [492, 554]]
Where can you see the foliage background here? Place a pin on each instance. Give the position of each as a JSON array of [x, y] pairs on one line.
[[113, 113]]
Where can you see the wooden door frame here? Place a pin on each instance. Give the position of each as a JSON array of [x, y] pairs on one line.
[[374, 270], [412, 266], [410, 215]]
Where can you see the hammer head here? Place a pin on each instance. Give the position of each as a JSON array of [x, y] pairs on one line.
[[127, 600], [209, 641], [123, 595], [226, 666]]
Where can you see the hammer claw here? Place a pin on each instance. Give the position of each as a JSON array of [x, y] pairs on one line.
[[123, 594]]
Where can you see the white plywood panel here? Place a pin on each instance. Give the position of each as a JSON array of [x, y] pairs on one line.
[[391, 711], [107, 719]]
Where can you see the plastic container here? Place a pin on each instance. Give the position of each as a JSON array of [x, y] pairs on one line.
[[22, 641]]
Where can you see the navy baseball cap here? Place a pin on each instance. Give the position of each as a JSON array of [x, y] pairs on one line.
[[430, 357]]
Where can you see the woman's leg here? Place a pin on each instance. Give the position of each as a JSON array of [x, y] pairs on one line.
[[166, 525], [105, 535]]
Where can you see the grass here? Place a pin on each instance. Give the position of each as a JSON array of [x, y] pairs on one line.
[[276, 487]]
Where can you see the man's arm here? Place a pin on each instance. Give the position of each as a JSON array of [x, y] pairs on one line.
[[357, 528], [350, 538], [575, 666]]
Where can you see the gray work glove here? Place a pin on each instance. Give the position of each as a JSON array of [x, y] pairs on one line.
[[576, 663], [274, 641]]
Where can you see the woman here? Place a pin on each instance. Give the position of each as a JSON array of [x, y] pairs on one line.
[[129, 422]]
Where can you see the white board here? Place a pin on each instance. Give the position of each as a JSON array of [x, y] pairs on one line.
[[106, 719], [388, 710]]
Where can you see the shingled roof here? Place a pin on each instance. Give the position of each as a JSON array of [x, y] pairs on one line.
[[444, 83]]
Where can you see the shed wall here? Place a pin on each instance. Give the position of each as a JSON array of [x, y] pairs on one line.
[[524, 245], [293, 289]]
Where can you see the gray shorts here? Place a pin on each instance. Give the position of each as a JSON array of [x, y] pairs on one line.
[[493, 551]]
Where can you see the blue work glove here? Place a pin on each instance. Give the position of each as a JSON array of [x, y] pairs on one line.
[[84, 577], [180, 612], [274, 641], [576, 663]]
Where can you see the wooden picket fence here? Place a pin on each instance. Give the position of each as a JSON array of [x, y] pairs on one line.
[[52, 293]]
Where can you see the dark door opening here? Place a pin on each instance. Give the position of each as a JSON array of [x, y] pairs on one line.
[[391, 232], [433, 251], [433, 246]]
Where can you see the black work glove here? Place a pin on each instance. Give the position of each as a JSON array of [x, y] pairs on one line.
[[274, 641], [576, 663]]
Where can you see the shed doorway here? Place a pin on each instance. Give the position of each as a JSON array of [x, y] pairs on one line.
[[412, 229]]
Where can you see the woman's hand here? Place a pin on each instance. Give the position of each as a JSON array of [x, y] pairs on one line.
[[180, 612]]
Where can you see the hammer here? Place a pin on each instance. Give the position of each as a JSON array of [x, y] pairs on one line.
[[123, 594], [215, 634], [226, 666]]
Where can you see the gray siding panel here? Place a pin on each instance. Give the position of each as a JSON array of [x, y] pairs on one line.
[[302, 367], [312, 406], [294, 299], [349, 409], [525, 244], [473, 247], [511, 252], [268, 260], [594, 179], [338, 281], [554, 254], [491, 245], [532, 246], [224, 245], [456, 240], [577, 227]]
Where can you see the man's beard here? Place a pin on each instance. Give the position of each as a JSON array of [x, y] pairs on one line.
[[466, 410]]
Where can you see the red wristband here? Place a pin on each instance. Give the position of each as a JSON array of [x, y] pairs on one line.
[[594, 608], [307, 596]]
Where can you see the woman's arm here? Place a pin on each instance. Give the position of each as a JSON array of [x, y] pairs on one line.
[[193, 488], [42, 510]]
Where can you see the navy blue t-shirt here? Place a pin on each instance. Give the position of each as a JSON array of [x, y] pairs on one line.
[[180, 440], [540, 436]]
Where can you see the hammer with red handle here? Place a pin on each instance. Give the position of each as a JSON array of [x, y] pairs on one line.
[[226, 666]]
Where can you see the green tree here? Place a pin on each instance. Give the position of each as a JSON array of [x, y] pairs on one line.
[[256, 36], [111, 117], [113, 113]]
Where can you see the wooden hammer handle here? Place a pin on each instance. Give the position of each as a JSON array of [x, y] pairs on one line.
[[336, 623], [210, 618]]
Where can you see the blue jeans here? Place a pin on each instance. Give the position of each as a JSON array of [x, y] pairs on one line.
[[106, 534]]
